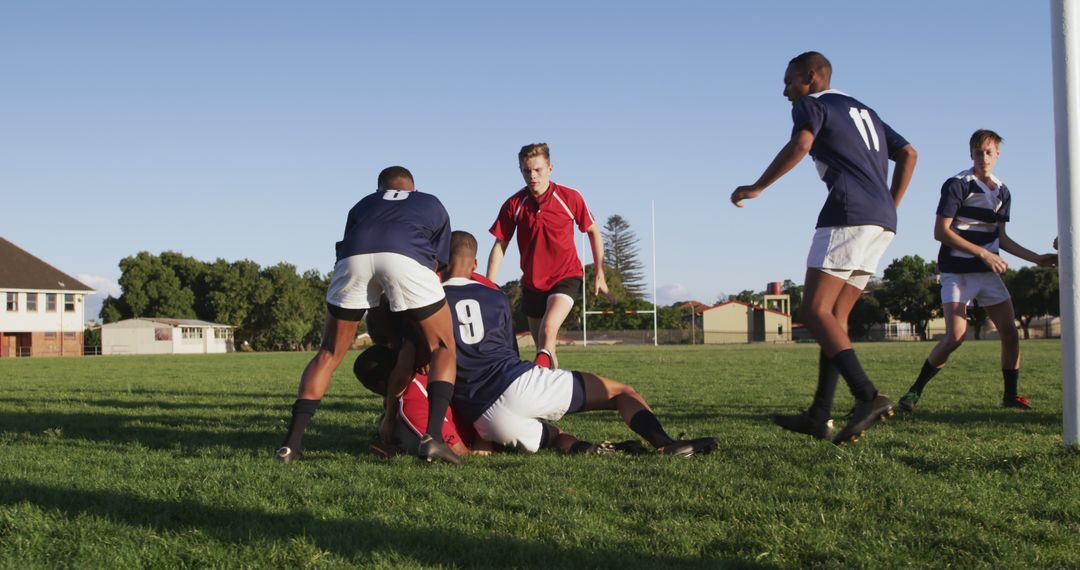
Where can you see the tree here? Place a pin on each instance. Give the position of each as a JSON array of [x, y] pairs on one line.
[[747, 296], [512, 289], [621, 254], [1034, 293], [150, 288], [112, 310], [908, 292], [866, 313], [794, 291]]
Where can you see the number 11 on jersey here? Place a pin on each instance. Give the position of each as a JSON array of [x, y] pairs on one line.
[[864, 123]]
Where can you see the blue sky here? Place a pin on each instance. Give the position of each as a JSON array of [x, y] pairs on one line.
[[248, 129]]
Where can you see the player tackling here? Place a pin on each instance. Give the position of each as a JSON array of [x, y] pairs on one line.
[[851, 147]]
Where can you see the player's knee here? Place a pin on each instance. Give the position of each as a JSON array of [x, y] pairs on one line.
[[1009, 335]]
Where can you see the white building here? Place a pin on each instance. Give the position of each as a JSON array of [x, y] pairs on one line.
[[41, 307], [165, 336]]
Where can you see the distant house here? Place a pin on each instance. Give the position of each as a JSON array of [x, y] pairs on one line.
[[735, 322], [43, 308], [165, 336]]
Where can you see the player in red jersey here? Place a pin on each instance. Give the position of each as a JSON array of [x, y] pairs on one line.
[[543, 214]]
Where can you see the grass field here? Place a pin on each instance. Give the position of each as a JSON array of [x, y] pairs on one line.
[[164, 462]]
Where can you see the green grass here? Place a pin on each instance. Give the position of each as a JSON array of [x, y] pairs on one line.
[[164, 462]]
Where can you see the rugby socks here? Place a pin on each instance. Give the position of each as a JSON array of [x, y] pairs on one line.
[[579, 447], [1012, 377], [858, 382], [645, 424], [543, 358], [439, 395], [302, 412], [828, 375], [928, 371]]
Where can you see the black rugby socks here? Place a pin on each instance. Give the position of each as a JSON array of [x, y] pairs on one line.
[[439, 395], [302, 412]]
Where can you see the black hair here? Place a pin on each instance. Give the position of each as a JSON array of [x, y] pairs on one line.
[[392, 174]]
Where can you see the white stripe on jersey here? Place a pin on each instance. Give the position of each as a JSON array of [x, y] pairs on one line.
[[986, 200], [564, 206]]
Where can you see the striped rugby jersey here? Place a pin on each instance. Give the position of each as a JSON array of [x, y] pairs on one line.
[[977, 211]]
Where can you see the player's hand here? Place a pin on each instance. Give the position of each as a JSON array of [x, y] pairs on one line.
[[600, 286], [744, 193], [1055, 244], [1047, 260], [994, 262]]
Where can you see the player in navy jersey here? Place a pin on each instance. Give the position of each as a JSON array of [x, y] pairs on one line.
[[971, 217], [851, 147], [505, 397], [395, 239]]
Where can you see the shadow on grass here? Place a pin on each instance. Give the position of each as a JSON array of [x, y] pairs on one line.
[[349, 538], [986, 415]]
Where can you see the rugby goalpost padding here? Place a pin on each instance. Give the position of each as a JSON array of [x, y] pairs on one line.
[[1064, 21], [585, 312]]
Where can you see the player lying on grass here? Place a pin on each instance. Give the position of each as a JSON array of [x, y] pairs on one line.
[[505, 398], [373, 369], [971, 217], [395, 239]]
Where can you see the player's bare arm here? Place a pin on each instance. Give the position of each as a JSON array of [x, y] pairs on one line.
[[944, 233], [596, 240], [1040, 259], [905, 160], [793, 152], [495, 258]]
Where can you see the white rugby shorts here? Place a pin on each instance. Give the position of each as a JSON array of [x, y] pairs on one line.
[[359, 280], [514, 419], [850, 253], [985, 286]]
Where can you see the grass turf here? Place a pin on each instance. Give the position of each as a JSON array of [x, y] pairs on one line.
[[165, 462]]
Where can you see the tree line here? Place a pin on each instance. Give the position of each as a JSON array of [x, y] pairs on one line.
[[272, 308]]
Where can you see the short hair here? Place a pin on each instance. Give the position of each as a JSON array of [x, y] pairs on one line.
[[979, 138], [373, 367], [536, 149], [392, 174], [462, 244], [813, 60]]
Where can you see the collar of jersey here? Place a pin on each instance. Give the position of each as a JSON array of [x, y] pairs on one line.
[[829, 92], [543, 197], [453, 281], [971, 172]]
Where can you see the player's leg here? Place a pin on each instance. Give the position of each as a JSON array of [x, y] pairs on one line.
[[607, 394], [338, 336], [437, 328], [558, 308], [955, 332], [1004, 320]]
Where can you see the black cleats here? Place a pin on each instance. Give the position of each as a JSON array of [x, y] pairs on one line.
[[803, 423], [431, 451], [689, 447], [628, 447], [864, 415]]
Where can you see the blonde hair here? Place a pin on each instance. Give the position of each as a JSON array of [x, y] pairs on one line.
[[531, 150]]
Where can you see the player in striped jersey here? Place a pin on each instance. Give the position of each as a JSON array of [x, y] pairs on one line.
[[971, 217]]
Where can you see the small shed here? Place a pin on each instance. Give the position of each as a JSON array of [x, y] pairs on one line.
[[165, 336]]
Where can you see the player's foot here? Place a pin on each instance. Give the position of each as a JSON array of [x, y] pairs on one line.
[[864, 415], [803, 423], [908, 401], [379, 449], [286, 454], [1018, 402], [628, 447], [544, 358], [689, 447], [432, 451]]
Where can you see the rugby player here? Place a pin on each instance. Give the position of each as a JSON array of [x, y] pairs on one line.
[[505, 398], [971, 217], [395, 239], [544, 214], [851, 147]]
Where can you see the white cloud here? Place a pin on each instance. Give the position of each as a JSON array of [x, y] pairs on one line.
[[103, 285], [671, 292]]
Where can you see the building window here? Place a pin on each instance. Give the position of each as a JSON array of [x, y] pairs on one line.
[[50, 302], [191, 333], [12, 302], [163, 333], [31, 302], [223, 333], [69, 336], [69, 303], [50, 336]]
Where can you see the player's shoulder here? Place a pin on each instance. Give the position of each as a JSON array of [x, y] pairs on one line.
[[959, 181], [466, 285], [567, 192]]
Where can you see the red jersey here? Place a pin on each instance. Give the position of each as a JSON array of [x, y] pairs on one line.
[[545, 233], [413, 411]]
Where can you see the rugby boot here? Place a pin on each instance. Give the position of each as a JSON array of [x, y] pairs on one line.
[[804, 423], [431, 451], [864, 415]]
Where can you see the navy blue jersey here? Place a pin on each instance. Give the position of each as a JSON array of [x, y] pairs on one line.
[[851, 150], [412, 224], [487, 350], [977, 212]]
